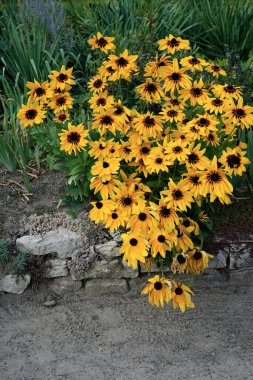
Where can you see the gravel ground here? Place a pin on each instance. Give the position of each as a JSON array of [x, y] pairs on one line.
[[120, 337]]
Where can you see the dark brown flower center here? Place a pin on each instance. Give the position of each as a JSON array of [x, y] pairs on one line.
[[177, 149], [145, 150], [194, 179], [161, 238], [197, 255], [61, 101], [149, 122], [193, 158], [234, 161], [101, 42], [133, 242], [158, 285], [40, 91], [142, 216], [203, 122], [151, 88], [62, 117], [176, 77], [178, 291], [194, 61], [105, 165], [214, 177], [165, 212], [73, 138], [62, 78], [239, 113], [186, 223], [106, 120], [159, 160], [230, 89], [97, 83], [216, 68], [181, 259], [195, 91], [119, 110], [217, 102], [177, 194], [126, 201], [122, 62], [114, 215], [101, 102], [99, 205], [31, 114], [110, 70], [172, 113], [173, 42]]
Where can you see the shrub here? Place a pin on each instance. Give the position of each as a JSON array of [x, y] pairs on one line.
[[161, 145]]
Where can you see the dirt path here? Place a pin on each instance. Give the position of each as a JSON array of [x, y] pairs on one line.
[[121, 337]]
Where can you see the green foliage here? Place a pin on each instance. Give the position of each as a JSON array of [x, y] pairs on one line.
[[17, 263], [4, 253]]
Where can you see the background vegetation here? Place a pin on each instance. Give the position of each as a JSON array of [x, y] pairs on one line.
[[37, 36]]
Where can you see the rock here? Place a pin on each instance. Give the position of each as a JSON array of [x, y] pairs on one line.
[[153, 269], [63, 242], [63, 285], [105, 269], [14, 283], [55, 268], [51, 303], [106, 286], [219, 261], [241, 255], [109, 249]]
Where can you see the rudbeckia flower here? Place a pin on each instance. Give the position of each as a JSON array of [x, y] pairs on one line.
[[174, 78], [152, 67], [181, 296], [30, 114], [134, 248], [73, 139], [39, 92], [238, 114], [102, 42], [105, 168], [97, 83], [60, 79], [150, 91], [161, 241], [196, 93], [179, 263], [193, 63], [158, 290], [173, 44], [100, 210], [233, 161], [215, 70], [198, 260], [227, 91], [178, 195], [147, 124], [101, 101], [123, 64]]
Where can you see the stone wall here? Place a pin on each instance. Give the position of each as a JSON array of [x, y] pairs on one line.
[[59, 248]]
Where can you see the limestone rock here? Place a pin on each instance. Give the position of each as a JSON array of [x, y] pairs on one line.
[[55, 268], [106, 269], [106, 286], [61, 241], [241, 255], [219, 261], [63, 285], [109, 249], [14, 283]]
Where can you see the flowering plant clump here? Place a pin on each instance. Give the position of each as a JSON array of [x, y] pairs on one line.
[[163, 142]]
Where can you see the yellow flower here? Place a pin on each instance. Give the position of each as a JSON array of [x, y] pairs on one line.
[[102, 42], [105, 121], [105, 187], [150, 91], [198, 260], [147, 124], [115, 220], [161, 241], [30, 114], [174, 77], [234, 161], [177, 150], [101, 101], [196, 93], [158, 290], [179, 263], [134, 248], [100, 210], [216, 70], [227, 91], [183, 240], [181, 296], [123, 64], [127, 197], [196, 159], [216, 183], [178, 196], [152, 67], [73, 139], [105, 168], [166, 216], [215, 105], [194, 182], [193, 63], [239, 114], [60, 79], [173, 44], [61, 117], [39, 92], [157, 160], [61, 102], [172, 114], [97, 83]]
